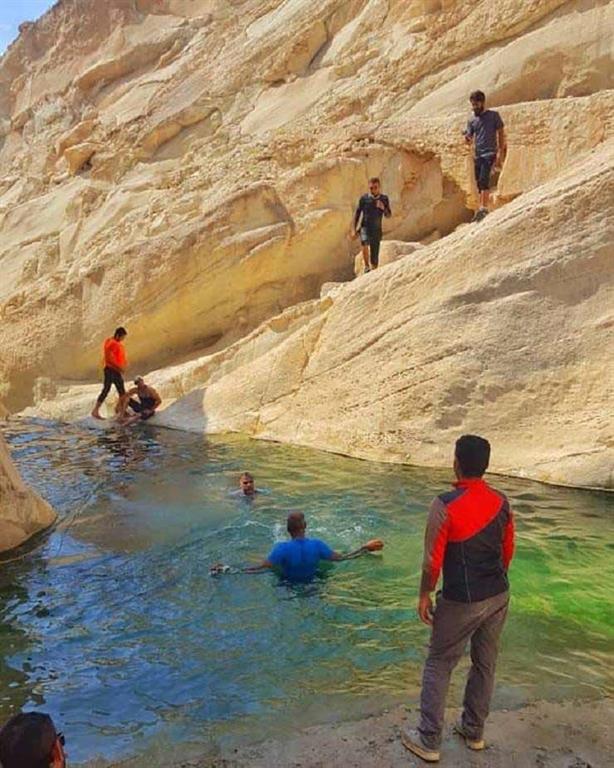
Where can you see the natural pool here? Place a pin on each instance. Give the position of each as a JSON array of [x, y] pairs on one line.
[[115, 627]]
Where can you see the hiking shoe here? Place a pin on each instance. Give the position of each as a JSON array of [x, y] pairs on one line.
[[413, 742], [477, 745], [480, 214], [367, 269]]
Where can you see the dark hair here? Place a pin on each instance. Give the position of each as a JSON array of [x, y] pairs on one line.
[[121, 331], [374, 180], [477, 96], [472, 454], [26, 741], [296, 523]]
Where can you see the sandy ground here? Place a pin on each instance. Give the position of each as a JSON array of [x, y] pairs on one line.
[[544, 735]]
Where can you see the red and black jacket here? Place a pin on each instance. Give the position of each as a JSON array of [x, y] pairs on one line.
[[470, 534]]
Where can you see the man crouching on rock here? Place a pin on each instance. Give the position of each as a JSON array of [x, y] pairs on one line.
[[470, 534], [143, 408]]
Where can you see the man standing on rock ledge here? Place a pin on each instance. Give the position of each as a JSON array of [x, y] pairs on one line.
[[114, 365], [372, 207], [470, 534], [486, 131]]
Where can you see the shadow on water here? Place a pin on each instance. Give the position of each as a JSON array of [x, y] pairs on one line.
[[115, 627]]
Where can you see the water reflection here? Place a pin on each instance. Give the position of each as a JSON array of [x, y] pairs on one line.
[[116, 627]]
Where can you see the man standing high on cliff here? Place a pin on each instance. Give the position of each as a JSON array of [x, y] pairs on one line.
[[114, 365], [470, 535], [487, 133], [371, 207]]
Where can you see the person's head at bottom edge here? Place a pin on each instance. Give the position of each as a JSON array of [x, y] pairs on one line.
[[30, 740]]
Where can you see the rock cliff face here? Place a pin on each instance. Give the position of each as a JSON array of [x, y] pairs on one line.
[[22, 512], [188, 168]]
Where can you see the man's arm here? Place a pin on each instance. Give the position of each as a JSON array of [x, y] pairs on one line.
[[468, 132], [508, 539], [371, 546], [357, 214], [435, 541], [265, 565], [337, 557], [155, 397], [274, 559], [220, 568], [501, 146], [387, 211]]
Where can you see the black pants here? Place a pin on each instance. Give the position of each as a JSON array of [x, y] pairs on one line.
[[111, 376], [144, 407], [483, 167], [372, 238]]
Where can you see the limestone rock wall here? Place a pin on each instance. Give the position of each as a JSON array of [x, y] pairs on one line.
[[188, 168], [502, 331], [22, 512]]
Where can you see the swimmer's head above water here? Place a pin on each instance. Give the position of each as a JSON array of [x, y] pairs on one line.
[[296, 525], [247, 484]]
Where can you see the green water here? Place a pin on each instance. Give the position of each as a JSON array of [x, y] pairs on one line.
[[115, 627]]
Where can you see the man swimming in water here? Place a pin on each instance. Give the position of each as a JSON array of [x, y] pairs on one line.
[[143, 408], [247, 485], [299, 558], [371, 207], [114, 365]]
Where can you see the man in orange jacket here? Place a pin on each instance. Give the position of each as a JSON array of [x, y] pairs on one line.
[[114, 365]]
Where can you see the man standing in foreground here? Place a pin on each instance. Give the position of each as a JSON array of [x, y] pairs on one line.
[[487, 133], [470, 534], [372, 207], [114, 366]]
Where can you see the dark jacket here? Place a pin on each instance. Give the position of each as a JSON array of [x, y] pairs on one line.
[[470, 535]]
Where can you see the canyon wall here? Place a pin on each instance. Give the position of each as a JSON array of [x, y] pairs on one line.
[[189, 169]]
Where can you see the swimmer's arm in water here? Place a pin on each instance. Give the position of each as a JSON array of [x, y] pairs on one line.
[[220, 568], [371, 546], [338, 557], [264, 566]]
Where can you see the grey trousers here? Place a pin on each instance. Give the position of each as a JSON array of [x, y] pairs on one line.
[[453, 625]]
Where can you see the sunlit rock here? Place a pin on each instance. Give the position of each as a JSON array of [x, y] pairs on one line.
[[190, 170], [22, 512]]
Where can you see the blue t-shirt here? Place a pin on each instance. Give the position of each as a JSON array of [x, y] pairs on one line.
[[299, 559], [484, 127]]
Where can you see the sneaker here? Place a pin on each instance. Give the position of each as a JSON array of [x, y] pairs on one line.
[[480, 214], [477, 745], [367, 269], [413, 742]]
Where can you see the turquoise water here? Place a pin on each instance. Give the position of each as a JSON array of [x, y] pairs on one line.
[[114, 626]]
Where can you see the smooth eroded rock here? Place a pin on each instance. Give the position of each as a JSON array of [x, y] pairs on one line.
[[22, 512]]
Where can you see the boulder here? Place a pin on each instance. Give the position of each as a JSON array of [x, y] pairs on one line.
[[22, 512]]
